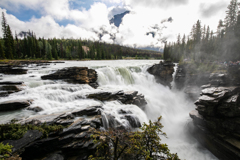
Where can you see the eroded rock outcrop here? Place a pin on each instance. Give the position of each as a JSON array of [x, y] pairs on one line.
[[163, 72], [129, 97], [217, 121], [80, 75], [74, 141]]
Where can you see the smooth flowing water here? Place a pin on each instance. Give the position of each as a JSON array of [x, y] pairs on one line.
[[127, 75]]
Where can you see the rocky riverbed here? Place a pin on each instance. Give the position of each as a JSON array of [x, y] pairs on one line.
[[82, 96]]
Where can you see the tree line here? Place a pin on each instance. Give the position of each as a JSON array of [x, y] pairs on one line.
[[203, 44], [31, 47]]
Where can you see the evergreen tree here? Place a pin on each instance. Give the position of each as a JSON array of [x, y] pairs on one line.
[[2, 55], [4, 26], [9, 44], [231, 17], [80, 50]]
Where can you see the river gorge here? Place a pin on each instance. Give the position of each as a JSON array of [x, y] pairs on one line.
[[57, 96]]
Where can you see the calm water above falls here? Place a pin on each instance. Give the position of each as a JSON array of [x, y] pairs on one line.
[[127, 75]]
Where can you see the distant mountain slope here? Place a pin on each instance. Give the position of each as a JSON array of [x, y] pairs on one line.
[[23, 34], [117, 19]]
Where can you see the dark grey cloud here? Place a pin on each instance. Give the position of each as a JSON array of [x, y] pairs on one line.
[[159, 3], [207, 10]]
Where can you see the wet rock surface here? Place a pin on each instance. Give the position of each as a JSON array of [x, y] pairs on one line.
[[14, 105], [163, 72], [9, 69], [35, 109], [28, 137], [74, 141], [129, 97], [80, 75], [217, 120]]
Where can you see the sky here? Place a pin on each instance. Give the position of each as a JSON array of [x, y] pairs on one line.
[[86, 19]]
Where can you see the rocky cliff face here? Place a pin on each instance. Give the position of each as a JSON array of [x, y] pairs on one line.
[[163, 72], [216, 120]]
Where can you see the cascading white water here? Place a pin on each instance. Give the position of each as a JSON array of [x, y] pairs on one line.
[[127, 75]]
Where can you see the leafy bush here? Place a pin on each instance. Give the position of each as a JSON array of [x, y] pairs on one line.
[[121, 144], [5, 151]]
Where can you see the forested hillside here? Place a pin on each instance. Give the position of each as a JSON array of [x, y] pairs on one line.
[[31, 47], [204, 44]]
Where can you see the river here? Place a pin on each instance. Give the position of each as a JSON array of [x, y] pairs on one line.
[[127, 75]]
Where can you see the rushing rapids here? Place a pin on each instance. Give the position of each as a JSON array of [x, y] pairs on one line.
[[59, 96]]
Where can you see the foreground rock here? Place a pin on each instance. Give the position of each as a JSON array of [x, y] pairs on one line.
[[74, 141], [216, 121], [130, 97], [163, 72], [14, 105], [80, 75], [8, 69]]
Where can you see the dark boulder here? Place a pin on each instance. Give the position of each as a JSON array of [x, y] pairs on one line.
[[14, 105], [163, 72], [35, 109], [80, 75], [11, 83], [129, 97], [8, 69]]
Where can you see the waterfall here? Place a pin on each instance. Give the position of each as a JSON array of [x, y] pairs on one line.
[[127, 75]]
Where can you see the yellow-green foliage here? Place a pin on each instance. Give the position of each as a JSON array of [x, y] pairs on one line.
[[5, 151], [16, 131], [144, 144]]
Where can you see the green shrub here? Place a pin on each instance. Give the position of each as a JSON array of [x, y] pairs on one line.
[[115, 144], [16, 131], [5, 151]]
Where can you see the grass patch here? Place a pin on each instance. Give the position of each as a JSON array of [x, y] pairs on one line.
[[13, 131]]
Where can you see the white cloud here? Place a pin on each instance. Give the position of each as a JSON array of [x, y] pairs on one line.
[[47, 27]]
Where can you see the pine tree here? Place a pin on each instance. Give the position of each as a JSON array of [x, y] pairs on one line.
[[80, 50], [9, 44], [2, 55], [231, 17], [4, 26]]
